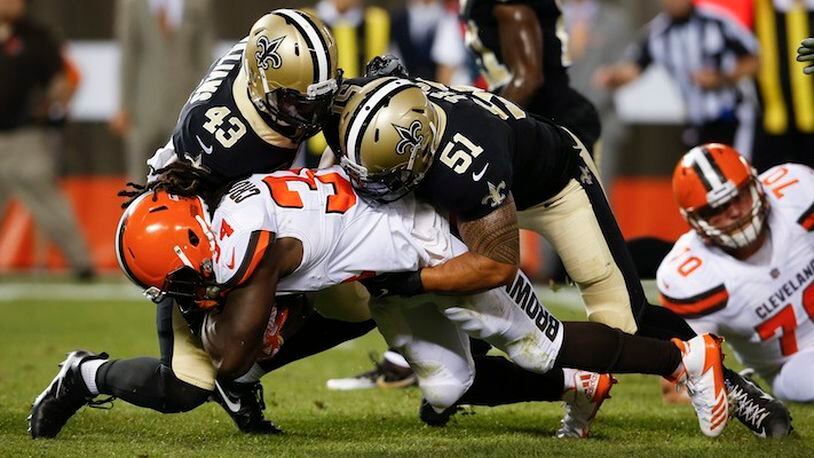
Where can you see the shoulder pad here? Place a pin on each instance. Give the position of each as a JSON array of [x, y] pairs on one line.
[[243, 230], [687, 284], [790, 190]]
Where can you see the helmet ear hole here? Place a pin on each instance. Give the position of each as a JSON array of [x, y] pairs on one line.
[[193, 238]]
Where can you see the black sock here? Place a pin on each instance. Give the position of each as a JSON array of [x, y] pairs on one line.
[[498, 381], [146, 382], [663, 323], [599, 348]]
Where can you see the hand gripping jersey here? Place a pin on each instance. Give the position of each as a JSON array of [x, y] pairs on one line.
[[220, 130], [344, 238], [764, 309]]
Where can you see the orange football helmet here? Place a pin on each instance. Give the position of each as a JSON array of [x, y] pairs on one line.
[[706, 179], [164, 244]]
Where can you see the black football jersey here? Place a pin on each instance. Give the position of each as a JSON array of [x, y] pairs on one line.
[[484, 41], [489, 148], [220, 130]]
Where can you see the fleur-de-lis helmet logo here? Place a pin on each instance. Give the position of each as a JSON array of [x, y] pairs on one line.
[[266, 54], [410, 139]]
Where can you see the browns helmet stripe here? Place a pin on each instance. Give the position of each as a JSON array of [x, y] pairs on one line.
[[314, 40], [706, 168], [369, 107]]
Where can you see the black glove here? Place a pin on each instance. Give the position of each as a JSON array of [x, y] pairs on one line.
[[805, 53], [386, 65], [395, 284]]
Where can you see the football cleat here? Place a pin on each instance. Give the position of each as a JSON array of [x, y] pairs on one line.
[[764, 415], [702, 373], [244, 403], [583, 402], [431, 417], [385, 374], [63, 397]]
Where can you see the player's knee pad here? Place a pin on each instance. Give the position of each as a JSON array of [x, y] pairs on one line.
[[609, 303], [443, 392]]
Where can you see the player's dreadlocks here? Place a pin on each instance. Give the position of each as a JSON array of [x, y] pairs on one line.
[[179, 178]]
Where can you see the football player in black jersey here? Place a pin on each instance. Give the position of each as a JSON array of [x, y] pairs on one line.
[[520, 48], [248, 114], [495, 169]]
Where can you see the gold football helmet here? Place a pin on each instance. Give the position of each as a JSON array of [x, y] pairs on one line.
[[290, 65], [386, 136]]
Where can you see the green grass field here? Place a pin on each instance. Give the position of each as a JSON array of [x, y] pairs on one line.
[[34, 335]]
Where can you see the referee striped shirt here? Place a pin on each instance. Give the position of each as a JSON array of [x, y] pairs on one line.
[[705, 40]]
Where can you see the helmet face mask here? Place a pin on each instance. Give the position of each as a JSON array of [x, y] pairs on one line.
[[720, 196], [290, 67], [738, 233], [384, 187], [387, 132]]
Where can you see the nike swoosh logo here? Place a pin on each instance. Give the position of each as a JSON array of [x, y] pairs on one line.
[[233, 406], [478, 176], [206, 149]]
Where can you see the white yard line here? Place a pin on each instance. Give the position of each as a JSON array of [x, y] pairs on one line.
[[16, 291]]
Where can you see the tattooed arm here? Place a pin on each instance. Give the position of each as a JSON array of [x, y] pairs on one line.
[[492, 259]]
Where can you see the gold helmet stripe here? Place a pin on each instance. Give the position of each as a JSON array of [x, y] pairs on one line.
[[316, 43], [366, 110]]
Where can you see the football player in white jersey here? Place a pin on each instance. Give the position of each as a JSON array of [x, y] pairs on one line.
[[746, 269], [306, 230]]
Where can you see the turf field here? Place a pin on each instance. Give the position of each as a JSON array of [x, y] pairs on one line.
[[35, 334]]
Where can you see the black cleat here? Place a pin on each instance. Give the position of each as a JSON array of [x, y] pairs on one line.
[[764, 415], [432, 418], [244, 403], [65, 395]]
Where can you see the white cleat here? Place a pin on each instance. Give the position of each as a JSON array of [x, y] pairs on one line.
[[702, 372], [583, 401]]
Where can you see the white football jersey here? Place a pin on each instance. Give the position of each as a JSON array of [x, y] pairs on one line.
[[343, 236], [763, 306]]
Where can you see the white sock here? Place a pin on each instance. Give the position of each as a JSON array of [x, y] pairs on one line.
[[569, 379], [252, 376], [395, 358], [88, 370]]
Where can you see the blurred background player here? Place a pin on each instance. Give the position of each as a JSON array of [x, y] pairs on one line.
[[520, 47], [427, 37], [708, 54], [598, 34], [746, 270], [785, 131], [362, 32], [166, 45], [35, 90]]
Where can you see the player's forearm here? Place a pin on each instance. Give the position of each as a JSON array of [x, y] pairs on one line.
[[521, 89], [467, 273]]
